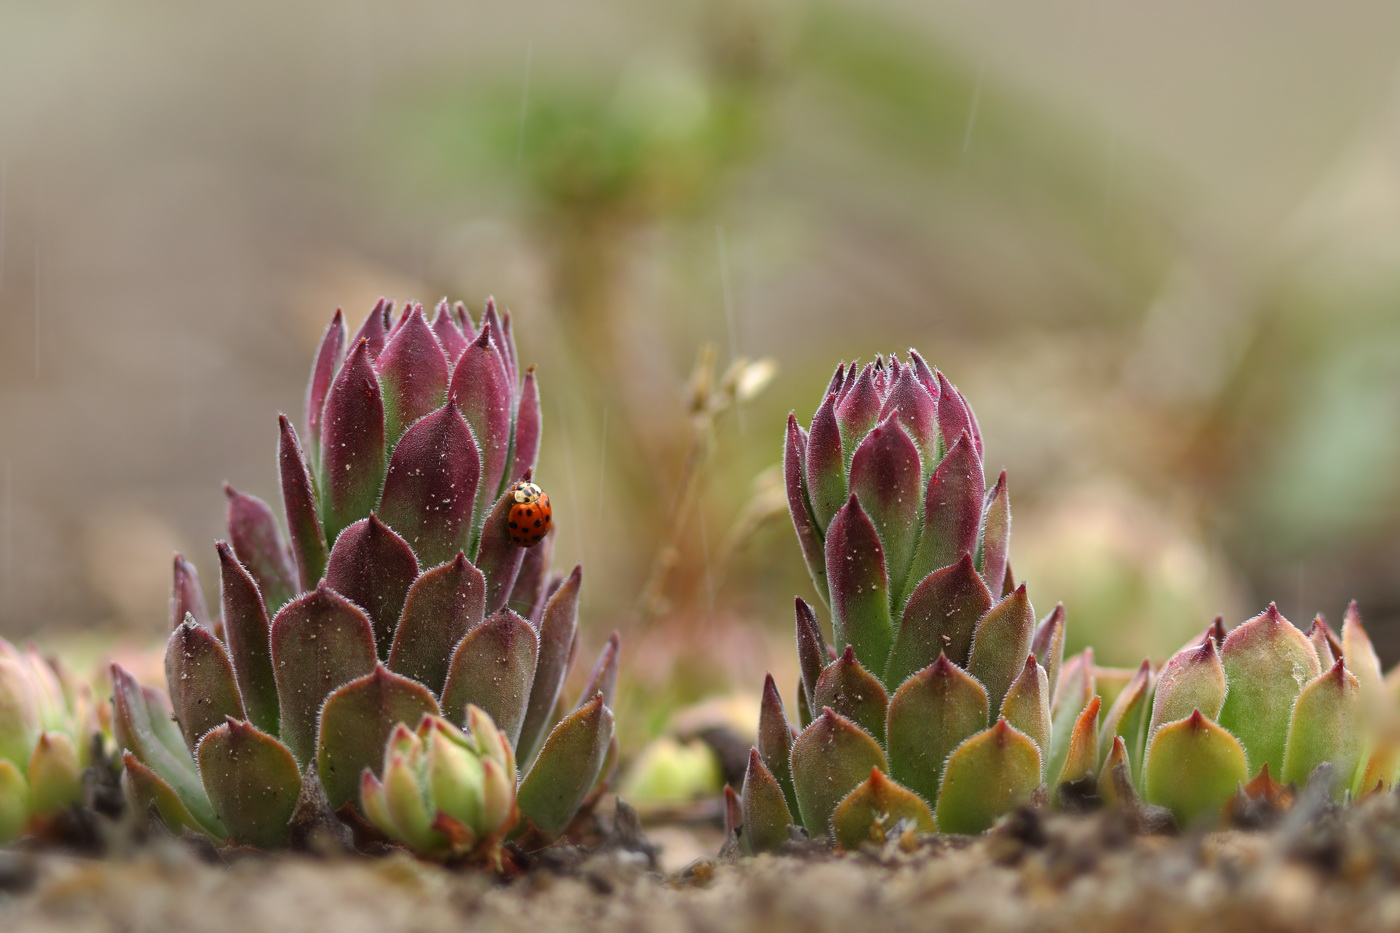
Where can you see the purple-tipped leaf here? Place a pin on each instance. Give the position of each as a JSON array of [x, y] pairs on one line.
[[1328, 725], [202, 689], [322, 374], [442, 606], [1048, 645], [528, 420], [825, 466], [885, 477], [256, 539], [305, 534], [955, 416], [603, 679], [253, 783], [558, 628], [803, 521], [764, 811], [916, 409], [811, 650], [1266, 661], [855, 571], [413, 374], [373, 567], [494, 668], [448, 333], [854, 693], [186, 596], [775, 735], [1325, 642], [375, 329], [482, 390], [319, 642], [497, 556], [857, 410], [352, 444], [528, 595], [1193, 679], [996, 533], [246, 629], [939, 618], [430, 489], [355, 724], [952, 511]]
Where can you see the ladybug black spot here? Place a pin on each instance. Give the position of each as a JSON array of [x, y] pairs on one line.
[[514, 525], [538, 523]]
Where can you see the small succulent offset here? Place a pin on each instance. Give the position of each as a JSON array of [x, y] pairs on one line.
[[933, 707], [1264, 704], [397, 594], [47, 723]]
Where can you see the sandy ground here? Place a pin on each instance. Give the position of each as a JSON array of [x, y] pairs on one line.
[[1088, 874]]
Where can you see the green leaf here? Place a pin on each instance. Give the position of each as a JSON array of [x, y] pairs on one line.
[[1027, 705], [1001, 643], [1194, 679], [1328, 724], [874, 808], [939, 618], [355, 724], [1082, 758], [766, 816], [494, 668], [253, 782], [1127, 717], [855, 572], [1266, 662], [987, 776], [933, 713], [203, 692], [830, 758], [1193, 769], [442, 606], [566, 768], [852, 692], [558, 629], [885, 477], [145, 790]]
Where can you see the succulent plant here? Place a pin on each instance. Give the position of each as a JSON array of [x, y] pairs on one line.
[[933, 704], [445, 792], [1264, 703], [47, 723], [396, 593]]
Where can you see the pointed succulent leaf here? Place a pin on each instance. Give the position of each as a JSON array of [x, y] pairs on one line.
[[1328, 724], [1325, 642], [246, 630], [55, 775], [482, 390], [19, 711], [1193, 679], [497, 556], [1266, 662], [448, 333], [811, 650], [939, 618], [916, 409], [203, 692], [1127, 717], [855, 571], [825, 466], [885, 478], [952, 510], [413, 373], [775, 737], [830, 758], [373, 567], [430, 489], [1048, 645], [355, 724], [996, 533], [352, 448], [527, 596], [253, 533], [986, 777], [873, 809], [566, 768], [558, 627], [1115, 782], [527, 428], [1360, 654], [253, 783], [955, 416], [933, 713], [1027, 705], [375, 329], [1381, 768], [186, 596], [1000, 644], [146, 791], [764, 811], [1193, 769], [1076, 688], [603, 679], [809, 536], [853, 692], [1082, 759], [322, 374], [319, 642], [443, 605], [306, 536], [494, 668], [857, 410]]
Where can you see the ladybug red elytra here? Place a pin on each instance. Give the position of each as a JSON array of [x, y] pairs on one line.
[[530, 515]]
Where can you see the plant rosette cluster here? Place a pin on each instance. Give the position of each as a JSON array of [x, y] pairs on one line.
[[942, 704], [47, 722], [396, 593]]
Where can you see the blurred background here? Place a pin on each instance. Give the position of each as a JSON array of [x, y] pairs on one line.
[[1157, 246]]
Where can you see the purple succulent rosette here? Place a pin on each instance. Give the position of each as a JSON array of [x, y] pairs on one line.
[[394, 594]]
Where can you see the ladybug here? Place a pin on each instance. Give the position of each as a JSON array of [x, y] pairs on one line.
[[530, 515]]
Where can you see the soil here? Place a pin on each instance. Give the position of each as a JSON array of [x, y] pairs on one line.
[[1322, 869]]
